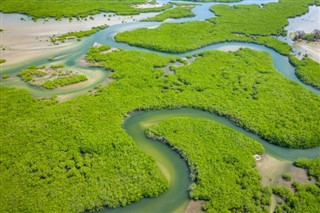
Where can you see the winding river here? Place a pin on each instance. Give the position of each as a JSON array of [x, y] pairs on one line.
[[173, 167]]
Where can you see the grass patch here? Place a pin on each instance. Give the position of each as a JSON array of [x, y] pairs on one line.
[[5, 76], [50, 77], [181, 11], [247, 23], [81, 8], [287, 177], [307, 70]]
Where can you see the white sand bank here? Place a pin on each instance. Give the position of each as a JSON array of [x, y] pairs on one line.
[[312, 49], [25, 40]]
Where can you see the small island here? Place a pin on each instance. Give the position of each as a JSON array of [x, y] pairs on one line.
[[50, 77]]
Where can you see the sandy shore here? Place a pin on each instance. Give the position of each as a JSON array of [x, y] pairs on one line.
[[194, 206], [307, 23], [312, 49], [22, 40]]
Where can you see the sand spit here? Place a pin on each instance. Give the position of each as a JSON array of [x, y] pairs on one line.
[[312, 49]]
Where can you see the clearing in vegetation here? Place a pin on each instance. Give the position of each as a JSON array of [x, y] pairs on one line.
[[50, 77]]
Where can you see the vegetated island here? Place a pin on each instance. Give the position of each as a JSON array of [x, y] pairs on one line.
[[247, 23], [77, 157], [221, 163], [5, 76], [50, 77], [70, 8], [181, 11], [76, 35], [307, 70]]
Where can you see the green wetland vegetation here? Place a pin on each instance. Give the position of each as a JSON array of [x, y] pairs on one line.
[[221, 163], [5, 76], [79, 34], [81, 8], [307, 70], [181, 11], [183, 37], [50, 77], [248, 23], [78, 155], [74, 156]]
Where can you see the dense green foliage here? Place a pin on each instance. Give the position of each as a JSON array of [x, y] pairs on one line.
[[287, 176], [64, 81], [248, 23], [312, 166], [79, 34], [80, 8], [256, 20], [307, 70], [75, 156], [5, 76], [183, 37], [221, 163], [56, 162], [2, 60], [30, 72], [306, 197], [50, 78], [181, 11]]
